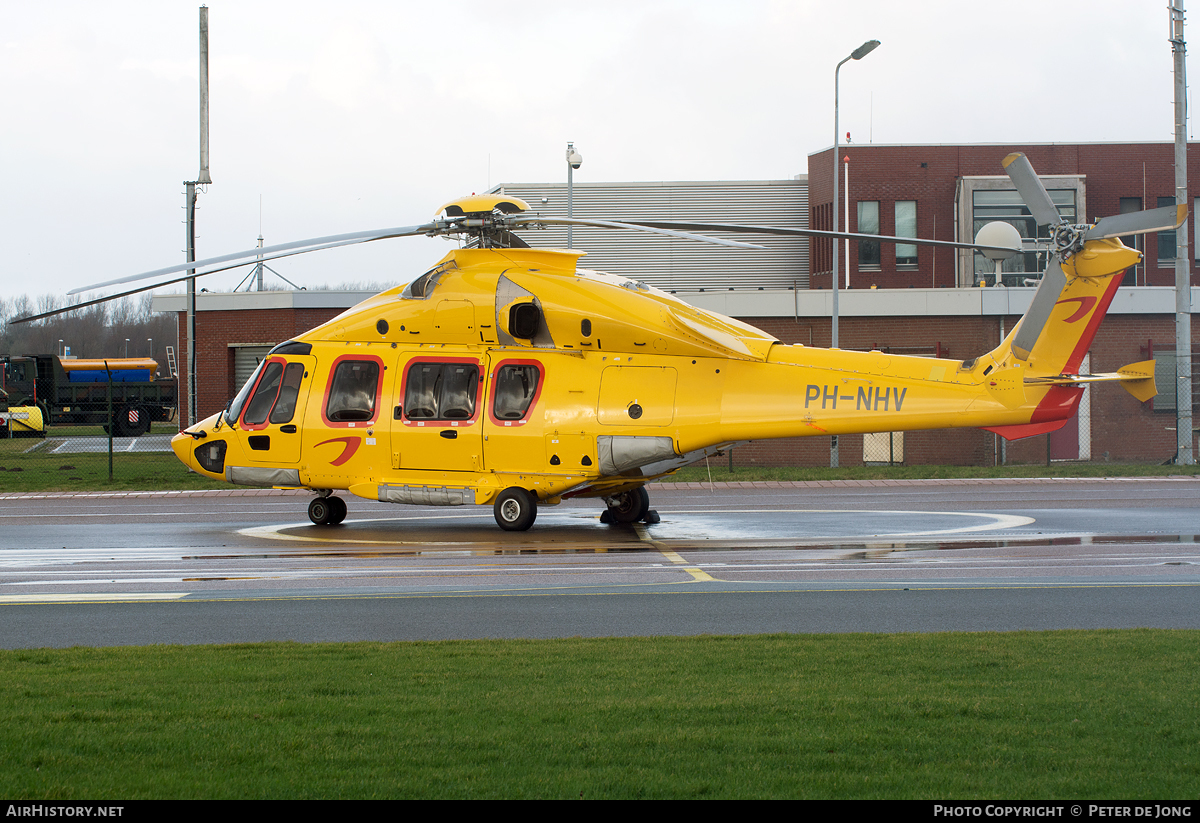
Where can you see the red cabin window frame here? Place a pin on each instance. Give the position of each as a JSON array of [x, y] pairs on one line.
[[432, 422], [333, 369], [493, 382]]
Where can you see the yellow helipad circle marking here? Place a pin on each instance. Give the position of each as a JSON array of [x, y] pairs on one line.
[[995, 522]]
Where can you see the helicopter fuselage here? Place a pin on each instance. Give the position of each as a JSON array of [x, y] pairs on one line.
[[505, 368]]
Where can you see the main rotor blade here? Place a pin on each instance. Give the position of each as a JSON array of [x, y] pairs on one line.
[[742, 228], [526, 220], [1138, 222], [1044, 300], [1031, 189], [267, 253], [140, 289]]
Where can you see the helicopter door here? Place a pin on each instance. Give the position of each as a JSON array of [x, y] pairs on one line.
[[436, 422], [515, 421], [271, 418]]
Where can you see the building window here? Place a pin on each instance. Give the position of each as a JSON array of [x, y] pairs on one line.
[[1006, 205], [1166, 239], [868, 223], [906, 226]]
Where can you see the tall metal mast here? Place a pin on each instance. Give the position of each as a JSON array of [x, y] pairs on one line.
[[190, 195], [1183, 284]]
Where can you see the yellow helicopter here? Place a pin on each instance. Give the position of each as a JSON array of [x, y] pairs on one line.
[[508, 375]]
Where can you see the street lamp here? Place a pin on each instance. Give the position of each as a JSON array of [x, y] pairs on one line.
[[574, 161], [858, 54]]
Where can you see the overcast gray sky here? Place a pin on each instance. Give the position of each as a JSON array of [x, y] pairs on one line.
[[362, 115]]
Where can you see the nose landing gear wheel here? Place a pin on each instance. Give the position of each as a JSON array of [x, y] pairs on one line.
[[515, 509]]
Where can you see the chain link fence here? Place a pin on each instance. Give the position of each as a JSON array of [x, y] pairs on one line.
[[37, 457]]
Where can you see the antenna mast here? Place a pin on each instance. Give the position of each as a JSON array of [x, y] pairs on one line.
[[1183, 292], [202, 178]]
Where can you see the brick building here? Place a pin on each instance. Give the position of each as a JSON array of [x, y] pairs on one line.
[[945, 192]]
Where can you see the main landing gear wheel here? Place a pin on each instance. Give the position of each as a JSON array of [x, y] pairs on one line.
[[515, 509], [627, 507], [338, 513], [327, 511]]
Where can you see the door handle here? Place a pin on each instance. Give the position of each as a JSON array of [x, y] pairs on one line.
[[449, 434], [288, 429]]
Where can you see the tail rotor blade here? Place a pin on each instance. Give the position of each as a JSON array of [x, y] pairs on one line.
[[1138, 222], [1044, 300], [1031, 189]]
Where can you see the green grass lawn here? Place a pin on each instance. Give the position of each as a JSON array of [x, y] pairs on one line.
[[27, 465], [1106, 714]]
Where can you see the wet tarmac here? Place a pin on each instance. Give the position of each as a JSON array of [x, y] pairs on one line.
[[187, 568]]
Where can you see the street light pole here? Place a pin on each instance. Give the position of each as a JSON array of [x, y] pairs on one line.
[[574, 161], [1184, 455], [858, 54]]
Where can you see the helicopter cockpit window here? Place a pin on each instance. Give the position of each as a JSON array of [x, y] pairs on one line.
[[235, 406], [275, 394], [264, 396], [516, 387], [285, 406], [352, 391], [441, 391]]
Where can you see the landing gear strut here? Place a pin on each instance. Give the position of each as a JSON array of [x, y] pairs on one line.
[[629, 507], [327, 511]]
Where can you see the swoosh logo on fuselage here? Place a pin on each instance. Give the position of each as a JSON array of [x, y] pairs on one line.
[[349, 447], [1085, 306]]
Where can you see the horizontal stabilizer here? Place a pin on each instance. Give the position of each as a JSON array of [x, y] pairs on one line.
[[1136, 378]]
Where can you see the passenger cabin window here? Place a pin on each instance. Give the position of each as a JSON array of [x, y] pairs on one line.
[[441, 391], [353, 391], [516, 388]]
